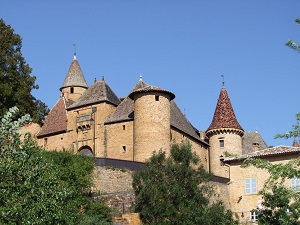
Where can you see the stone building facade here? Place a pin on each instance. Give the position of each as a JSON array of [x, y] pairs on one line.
[[94, 121]]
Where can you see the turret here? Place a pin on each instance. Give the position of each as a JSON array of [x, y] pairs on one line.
[[74, 85], [224, 133], [151, 121]]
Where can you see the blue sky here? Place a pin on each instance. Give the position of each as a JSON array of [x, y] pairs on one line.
[[181, 46]]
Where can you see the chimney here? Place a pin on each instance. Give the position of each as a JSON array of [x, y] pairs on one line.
[[295, 143]]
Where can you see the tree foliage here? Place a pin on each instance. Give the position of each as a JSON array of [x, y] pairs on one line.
[[280, 204], [175, 190], [38, 187], [16, 83], [294, 133], [292, 44]]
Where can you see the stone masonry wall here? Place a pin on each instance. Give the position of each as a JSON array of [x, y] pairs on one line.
[[119, 142], [151, 124], [200, 150], [112, 180]]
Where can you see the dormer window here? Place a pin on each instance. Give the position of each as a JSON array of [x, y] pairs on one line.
[[255, 146]]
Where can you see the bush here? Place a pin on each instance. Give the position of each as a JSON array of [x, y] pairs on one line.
[[38, 187]]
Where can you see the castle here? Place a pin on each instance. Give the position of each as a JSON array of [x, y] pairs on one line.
[[93, 121]]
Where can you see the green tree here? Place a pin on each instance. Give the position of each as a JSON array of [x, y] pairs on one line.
[[38, 187], [16, 83], [175, 190], [294, 133], [280, 204], [292, 44]]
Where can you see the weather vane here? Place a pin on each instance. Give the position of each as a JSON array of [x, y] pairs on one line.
[[74, 44], [223, 82]]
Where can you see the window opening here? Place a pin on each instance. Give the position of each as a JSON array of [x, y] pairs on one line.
[[156, 98], [296, 183], [123, 127], [253, 216], [124, 148], [250, 186], [222, 143], [72, 90]]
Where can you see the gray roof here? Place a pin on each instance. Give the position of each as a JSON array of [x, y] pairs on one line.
[[74, 77], [98, 92], [179, 121], [252, 141], [125, 112], [150, 88]]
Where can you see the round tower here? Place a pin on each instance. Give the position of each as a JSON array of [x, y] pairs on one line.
[[224, 133], [74, 84], [151, 127]]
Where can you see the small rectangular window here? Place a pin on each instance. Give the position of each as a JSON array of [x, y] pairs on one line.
[[123, 127], [296, 183], [250, 186], [222, 143], [72, 90], [253, 216], [124, 149], [45, 141], [156, 98]]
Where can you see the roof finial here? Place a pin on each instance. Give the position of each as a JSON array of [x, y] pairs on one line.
[[103, 77], [74, 44], [223, 82], [141, 77], [95, 80]]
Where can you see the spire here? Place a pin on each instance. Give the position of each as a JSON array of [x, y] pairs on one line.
[[74, 77], [224, 116]]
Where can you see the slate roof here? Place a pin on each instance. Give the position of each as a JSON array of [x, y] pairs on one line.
[[274, 151], [150, 88], [74, 77], [224, 116], [250, 139], [98, 92], [56, 120], [179, 121], [125, 112]]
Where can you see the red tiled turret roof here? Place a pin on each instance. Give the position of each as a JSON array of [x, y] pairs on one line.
[[224, 116]]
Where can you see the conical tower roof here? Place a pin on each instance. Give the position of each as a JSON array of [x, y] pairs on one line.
[[74, 77], [224, 116], [141, 86], [98, 92], [125, 111]]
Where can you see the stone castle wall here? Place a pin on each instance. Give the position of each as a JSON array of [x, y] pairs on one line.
[[119, 143], [232, 144], [112, 180], [200, 150], [151, 124]]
